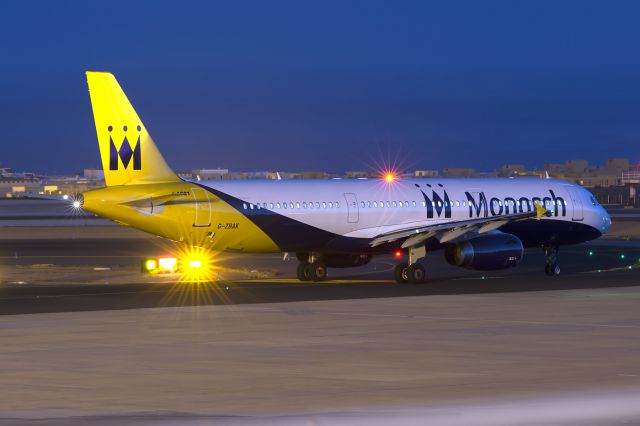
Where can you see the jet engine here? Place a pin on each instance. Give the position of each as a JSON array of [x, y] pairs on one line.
[[493, 251]]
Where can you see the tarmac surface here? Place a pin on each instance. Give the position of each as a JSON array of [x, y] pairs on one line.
[[505, 347], [611, 264]]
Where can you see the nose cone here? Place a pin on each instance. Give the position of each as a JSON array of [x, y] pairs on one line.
[[606, 220]]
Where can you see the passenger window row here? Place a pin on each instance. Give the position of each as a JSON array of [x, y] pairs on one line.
[[368, 204], [514, 203], [381, 204], [293, 205]]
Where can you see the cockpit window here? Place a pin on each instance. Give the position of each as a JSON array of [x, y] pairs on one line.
[[593, 201]]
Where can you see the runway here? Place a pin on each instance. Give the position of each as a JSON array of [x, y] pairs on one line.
[[604, 268], [81, 297], [513, 346]]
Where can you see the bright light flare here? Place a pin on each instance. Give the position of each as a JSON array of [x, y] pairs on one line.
[[192, 285], [398, 253], [160, 265], [150, 265], [167, 264], [196, 265], [389, 176], [191, 264], [74, 205]]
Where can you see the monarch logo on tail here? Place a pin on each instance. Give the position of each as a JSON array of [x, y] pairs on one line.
[[121, 136], [125, 152]]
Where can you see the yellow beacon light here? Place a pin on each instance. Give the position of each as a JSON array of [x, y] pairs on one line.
[[196, 265], [160, 265], [150, 265], [167, 264]]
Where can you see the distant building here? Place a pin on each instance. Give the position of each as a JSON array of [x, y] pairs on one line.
[[509, 170], [355, 174], [493, 174], [186, 175], [456, 172], [579, 171], [602, 180], [17, 183], [254, 175], [616, 172], [210, 174], [315, 175], [94, 174], [426, 173], [6, 172], [618, 165], [69, 184], [554, 168], [576, 167]]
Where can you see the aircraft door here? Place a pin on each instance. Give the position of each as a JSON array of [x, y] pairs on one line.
[[576, 203], [352, 207], [203, 207]]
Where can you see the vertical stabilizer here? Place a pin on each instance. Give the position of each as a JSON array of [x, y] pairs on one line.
[[128, 153]]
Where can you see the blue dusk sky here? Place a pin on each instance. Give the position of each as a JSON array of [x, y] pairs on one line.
[[326, 85]]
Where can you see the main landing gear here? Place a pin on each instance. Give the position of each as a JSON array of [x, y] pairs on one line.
[[311, 268], [411, 272], [551, 254]]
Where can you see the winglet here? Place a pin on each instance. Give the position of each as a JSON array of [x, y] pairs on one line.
[[541, 211]]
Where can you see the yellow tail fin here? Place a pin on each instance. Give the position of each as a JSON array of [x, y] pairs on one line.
[[128, 153]]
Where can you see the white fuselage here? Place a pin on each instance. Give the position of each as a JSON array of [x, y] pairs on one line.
[[365, 208]]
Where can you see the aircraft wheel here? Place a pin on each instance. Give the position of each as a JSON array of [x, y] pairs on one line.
[[316, 271], [301, 271], [415, 273], [400, 273], [552, 270]]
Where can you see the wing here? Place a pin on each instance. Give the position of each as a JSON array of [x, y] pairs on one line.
[[51, 197], [451, 231]]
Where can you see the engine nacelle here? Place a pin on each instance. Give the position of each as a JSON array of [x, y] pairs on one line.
[[345, 260], [486, 252]]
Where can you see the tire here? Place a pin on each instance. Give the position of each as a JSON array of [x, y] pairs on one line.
[[400, 273], [316, 271], [552, 270], [415, 273], [301, 271]]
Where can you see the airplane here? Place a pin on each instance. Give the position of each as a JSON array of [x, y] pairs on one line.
[[479, 224]]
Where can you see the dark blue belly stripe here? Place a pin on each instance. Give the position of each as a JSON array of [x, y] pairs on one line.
[[290, 234], [295, 236]]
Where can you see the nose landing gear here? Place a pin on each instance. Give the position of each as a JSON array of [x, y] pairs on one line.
[[551, 254]]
